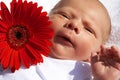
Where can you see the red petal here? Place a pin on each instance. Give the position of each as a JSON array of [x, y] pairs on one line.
[[34, 53], [27, 11], [17, 60], [13, 6], [35, 9], [5, 57], [2, 37], [39, 45], [48, 42], [32, 59], [3, 26], [3, 47], [24, 58], [17, 11], [12, 61], [24, 11], [43, 14], [5, 14]]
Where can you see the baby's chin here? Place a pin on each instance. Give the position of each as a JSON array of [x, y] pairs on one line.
[[56, 56], [62, 57]]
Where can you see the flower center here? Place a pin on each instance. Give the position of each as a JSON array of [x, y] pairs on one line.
[[17, 36]]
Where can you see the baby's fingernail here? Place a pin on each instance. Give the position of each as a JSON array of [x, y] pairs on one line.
[[93, 54]]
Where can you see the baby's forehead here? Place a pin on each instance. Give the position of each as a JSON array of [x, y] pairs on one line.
[[78, 2], [85, 4], [88, 6]]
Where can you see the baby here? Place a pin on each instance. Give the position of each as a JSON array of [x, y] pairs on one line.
[[80, 26], [81, 29]]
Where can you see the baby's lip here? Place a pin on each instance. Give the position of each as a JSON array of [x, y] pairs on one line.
[[66, 37]]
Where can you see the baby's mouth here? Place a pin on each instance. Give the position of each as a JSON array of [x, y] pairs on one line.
[[64, 40]]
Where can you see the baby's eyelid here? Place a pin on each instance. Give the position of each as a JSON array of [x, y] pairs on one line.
[[87, 27], [65, 15], [90, 30]]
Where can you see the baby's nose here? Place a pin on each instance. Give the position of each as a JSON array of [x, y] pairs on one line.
[[74, 25]]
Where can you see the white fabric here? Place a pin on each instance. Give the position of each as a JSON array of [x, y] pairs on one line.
[[51, 69], [113, 7]]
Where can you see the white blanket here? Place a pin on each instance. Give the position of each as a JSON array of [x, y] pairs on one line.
[[113, 7], [51, 69]]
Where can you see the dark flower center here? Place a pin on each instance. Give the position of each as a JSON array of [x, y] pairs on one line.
[[17, 36]]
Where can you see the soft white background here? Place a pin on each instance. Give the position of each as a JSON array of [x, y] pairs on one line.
[[113, 7], [48, 4]]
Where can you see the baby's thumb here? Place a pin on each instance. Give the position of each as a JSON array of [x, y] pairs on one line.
[[95, 64], [94, 57]]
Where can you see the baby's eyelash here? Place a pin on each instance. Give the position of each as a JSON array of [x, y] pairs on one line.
[[65, 15], [89, 29]]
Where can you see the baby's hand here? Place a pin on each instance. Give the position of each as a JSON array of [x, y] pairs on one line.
[[106, 64]]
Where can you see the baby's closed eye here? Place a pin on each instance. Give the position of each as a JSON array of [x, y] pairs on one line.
[[88, 28], [65, 15]]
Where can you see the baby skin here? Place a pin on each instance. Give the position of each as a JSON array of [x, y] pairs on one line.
[[81, 29]]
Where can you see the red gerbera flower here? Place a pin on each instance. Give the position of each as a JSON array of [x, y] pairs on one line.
[[24, 34]]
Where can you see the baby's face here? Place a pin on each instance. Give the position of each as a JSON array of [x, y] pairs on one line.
[[79, 26]]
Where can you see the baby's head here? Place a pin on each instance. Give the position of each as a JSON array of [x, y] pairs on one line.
[[81, 27]]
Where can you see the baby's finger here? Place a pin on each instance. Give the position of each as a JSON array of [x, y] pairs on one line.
[[114, 57], [104, 50], [94, 57], [115, 51], [117, 66]]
